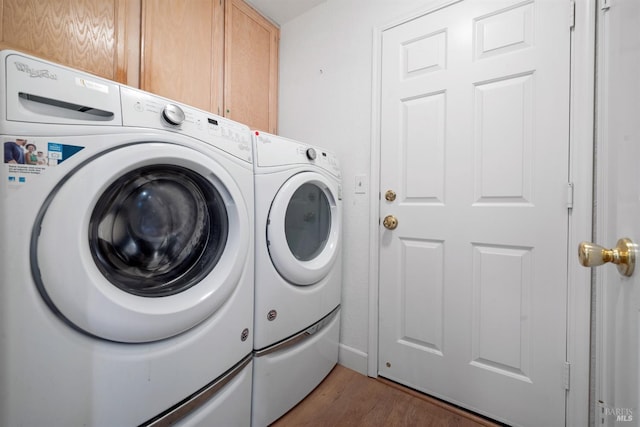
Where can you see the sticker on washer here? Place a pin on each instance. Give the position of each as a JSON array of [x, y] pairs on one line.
[[25, 157], [90, 84]]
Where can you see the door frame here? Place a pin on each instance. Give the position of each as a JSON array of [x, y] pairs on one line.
[[601, 279], [581, 143]]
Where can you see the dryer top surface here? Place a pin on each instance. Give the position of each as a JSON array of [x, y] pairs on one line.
[[275, 153]]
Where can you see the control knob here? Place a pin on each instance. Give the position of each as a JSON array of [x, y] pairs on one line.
[[311, 154], [173, 114]]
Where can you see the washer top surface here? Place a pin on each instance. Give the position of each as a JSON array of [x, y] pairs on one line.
[[40, 94]]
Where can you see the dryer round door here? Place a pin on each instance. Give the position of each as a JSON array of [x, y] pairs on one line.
[[141, 242], [304, 228]]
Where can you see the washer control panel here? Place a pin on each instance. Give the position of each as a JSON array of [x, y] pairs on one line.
[[43, 93], [142, 109]]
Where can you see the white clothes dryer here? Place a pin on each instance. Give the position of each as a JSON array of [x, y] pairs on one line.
[[126, 255], [298, 272]]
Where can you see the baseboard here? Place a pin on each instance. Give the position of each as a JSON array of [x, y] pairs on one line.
[[353, 359]]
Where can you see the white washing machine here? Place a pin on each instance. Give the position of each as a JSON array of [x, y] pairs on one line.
[[126, 255], [298, 272]]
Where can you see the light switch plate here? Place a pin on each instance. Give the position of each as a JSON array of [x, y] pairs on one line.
[[361, 184]]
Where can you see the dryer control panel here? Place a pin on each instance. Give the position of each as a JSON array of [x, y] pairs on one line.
[[142, 109], [273, 150]]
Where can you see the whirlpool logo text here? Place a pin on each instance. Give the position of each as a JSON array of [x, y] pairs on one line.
[[35, 73]]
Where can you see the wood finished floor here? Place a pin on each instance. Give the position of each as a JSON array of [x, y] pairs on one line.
[[346, 398]]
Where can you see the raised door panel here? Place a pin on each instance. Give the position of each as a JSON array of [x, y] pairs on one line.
[[182, 51], [251, 67], [97, 36]]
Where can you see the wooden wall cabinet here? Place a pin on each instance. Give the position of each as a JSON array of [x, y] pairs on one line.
[[221, 56], [217, 55], [97, 36], [182, 51], [250, 67]]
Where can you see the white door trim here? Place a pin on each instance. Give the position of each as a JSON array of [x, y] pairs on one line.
[[580, 223], [583, 64]]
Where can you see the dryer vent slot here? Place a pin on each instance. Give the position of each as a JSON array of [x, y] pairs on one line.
[[54, 107]]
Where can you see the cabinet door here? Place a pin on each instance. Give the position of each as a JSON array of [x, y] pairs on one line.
[[97, 36], [182, 51], [251, 67]]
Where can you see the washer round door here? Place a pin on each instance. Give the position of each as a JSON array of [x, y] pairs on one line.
[[141, 243], [304, 228]]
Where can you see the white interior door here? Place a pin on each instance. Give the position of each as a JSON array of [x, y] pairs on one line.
[[618, 195], [475, 145]]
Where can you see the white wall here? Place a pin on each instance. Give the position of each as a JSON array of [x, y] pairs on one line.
[[326, 63]]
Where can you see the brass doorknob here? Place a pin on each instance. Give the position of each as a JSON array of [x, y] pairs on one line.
[[390, 195], [623, 255], [390, 222]]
